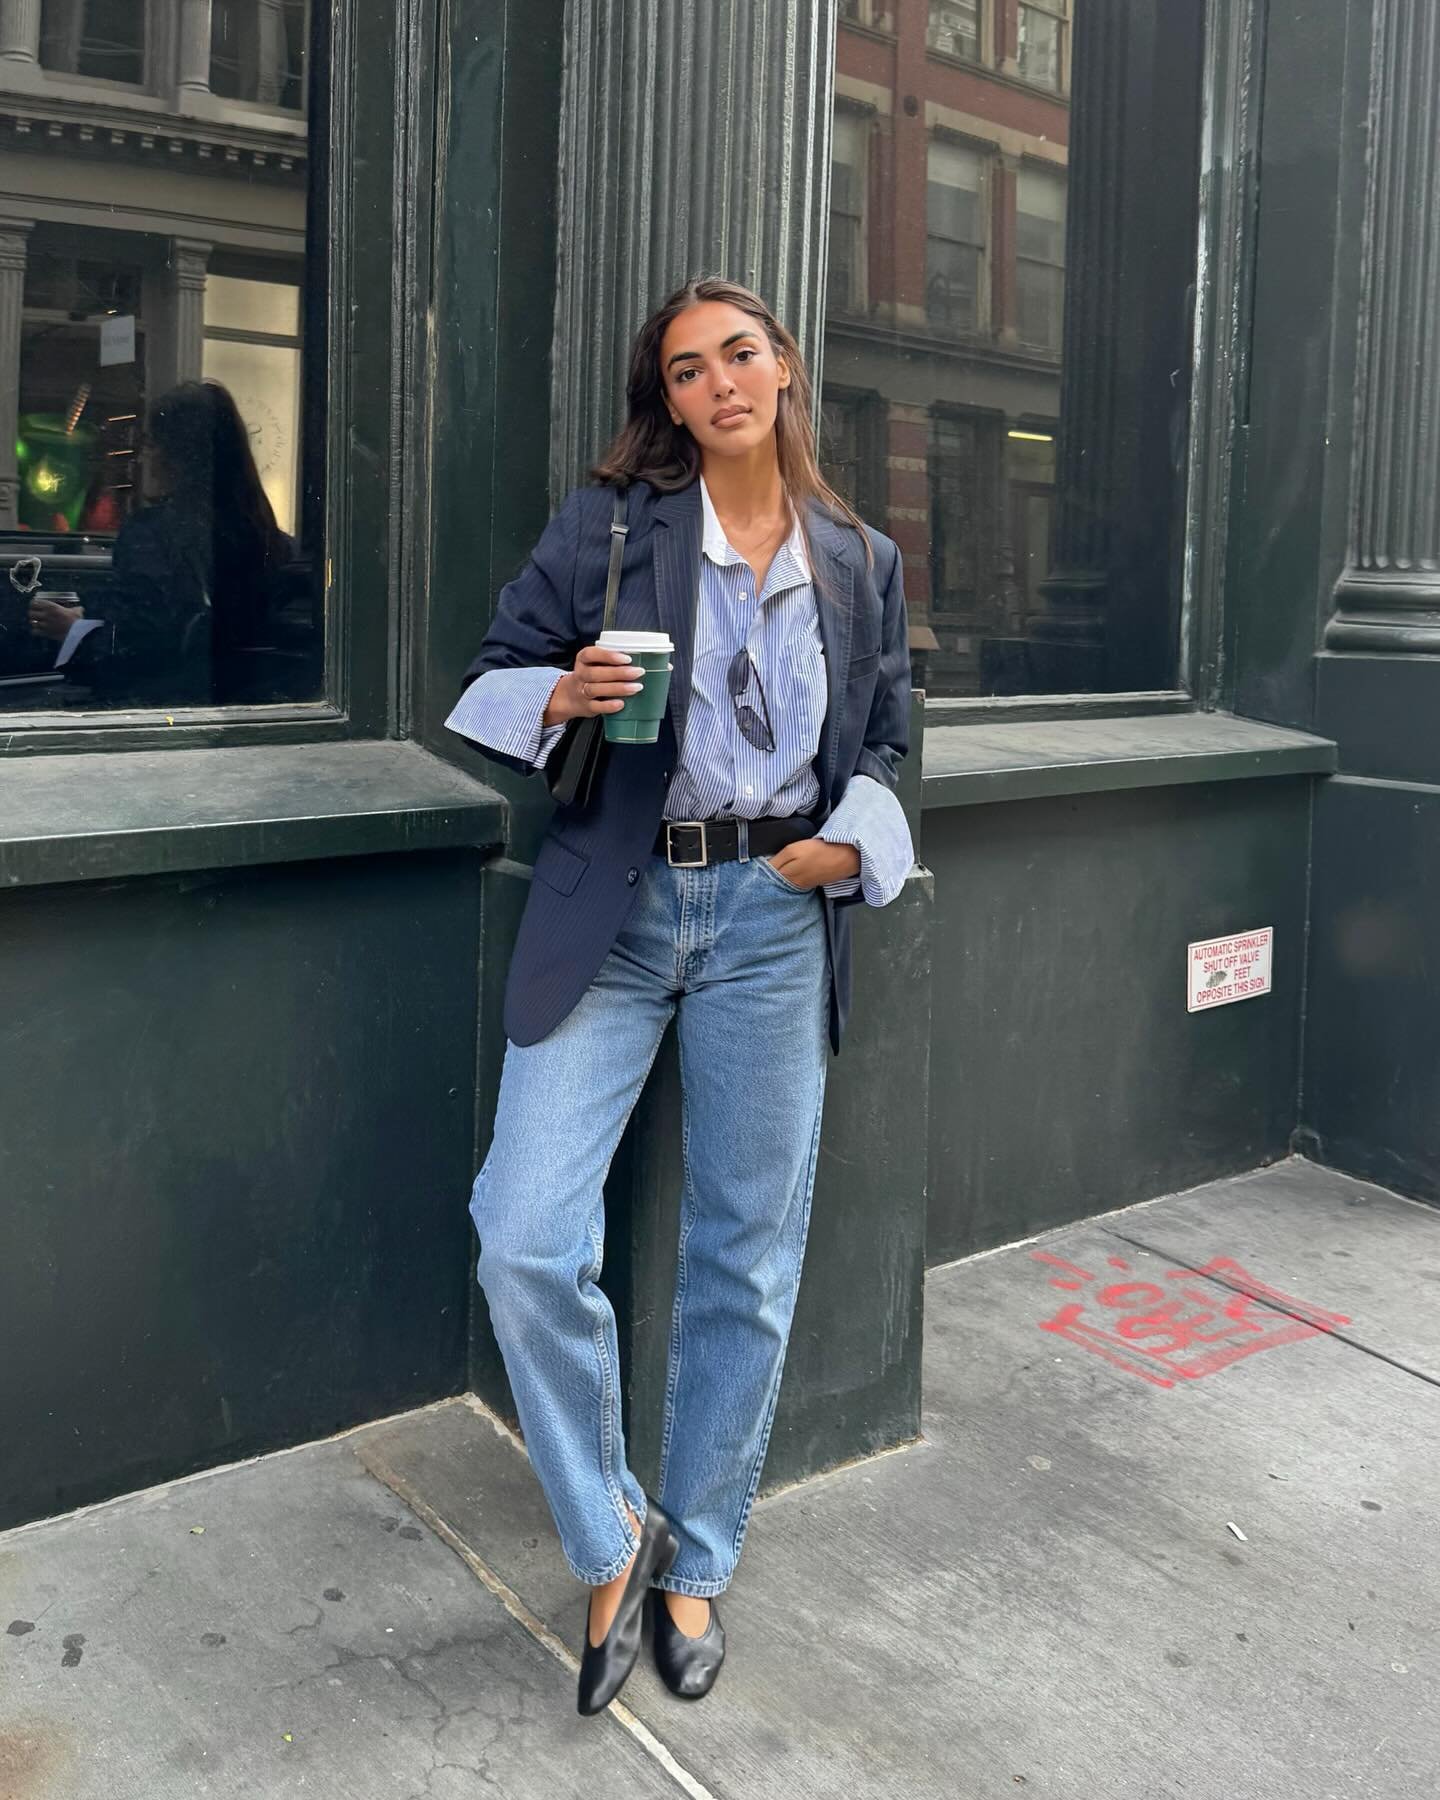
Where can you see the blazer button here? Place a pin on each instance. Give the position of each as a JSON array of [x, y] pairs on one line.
[[632, 876]]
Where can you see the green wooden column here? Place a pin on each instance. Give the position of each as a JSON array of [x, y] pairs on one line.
[[693, 139]]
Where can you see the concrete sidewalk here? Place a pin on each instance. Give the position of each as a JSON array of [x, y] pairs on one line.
[[1118, 1567]]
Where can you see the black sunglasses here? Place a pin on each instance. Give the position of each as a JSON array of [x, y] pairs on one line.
[[755, 730]]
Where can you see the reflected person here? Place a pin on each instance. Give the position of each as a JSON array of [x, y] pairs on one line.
[[197, 576]]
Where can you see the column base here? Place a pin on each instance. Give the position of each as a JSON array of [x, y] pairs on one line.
[[1396, 612]]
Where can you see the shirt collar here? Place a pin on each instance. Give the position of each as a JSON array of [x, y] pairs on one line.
[[719, 549]]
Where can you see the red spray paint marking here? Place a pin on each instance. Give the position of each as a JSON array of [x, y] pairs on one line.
[[1152, 1336]]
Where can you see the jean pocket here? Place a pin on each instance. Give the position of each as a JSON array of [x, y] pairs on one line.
[[789, 887]]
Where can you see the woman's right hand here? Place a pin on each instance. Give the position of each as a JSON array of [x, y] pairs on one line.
[[601, 682]]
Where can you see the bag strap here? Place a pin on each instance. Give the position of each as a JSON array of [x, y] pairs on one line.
[[619, 530]]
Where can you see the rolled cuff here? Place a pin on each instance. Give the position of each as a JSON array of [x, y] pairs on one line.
[[870, 818], [504, 709]]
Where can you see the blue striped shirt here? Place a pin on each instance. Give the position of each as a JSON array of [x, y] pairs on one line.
[[719, 772]]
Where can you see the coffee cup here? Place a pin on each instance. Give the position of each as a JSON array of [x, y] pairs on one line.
[[638, 721]]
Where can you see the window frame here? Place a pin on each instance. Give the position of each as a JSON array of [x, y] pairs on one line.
[[371, 120], [986, 157], [859, 118], [271, 107], [1046, 171], [866, 407], [144, 84], [983, 52], [868, 15], [1059, 10]]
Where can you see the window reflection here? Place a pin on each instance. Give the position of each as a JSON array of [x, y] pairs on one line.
[[1012, 229], [159, 516], [104, 39], [257, 51]]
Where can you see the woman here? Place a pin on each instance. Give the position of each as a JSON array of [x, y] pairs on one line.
[[708, 878]]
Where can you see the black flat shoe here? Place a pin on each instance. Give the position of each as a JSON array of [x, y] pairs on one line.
[[605, 1666], [688, 1665]]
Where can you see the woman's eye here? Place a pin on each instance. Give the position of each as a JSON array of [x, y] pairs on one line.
[[747, 354]]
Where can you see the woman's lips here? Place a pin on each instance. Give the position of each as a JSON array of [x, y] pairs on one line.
[[731, 415]]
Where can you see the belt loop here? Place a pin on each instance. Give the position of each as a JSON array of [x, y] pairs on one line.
[[742, 832]]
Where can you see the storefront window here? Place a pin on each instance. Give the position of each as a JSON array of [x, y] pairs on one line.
[[159, 498], [1019, 353]]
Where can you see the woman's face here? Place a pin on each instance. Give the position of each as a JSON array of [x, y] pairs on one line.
[[722, 378]]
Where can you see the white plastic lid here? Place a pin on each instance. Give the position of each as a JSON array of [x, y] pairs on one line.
[[636, 640]]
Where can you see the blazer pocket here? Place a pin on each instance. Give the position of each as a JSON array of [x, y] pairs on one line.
[[558, 867], [864, 665]]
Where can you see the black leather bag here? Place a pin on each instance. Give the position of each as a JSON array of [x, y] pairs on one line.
[[573, 765]]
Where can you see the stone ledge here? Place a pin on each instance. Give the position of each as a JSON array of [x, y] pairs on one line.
[[968, 765], [103, 816]]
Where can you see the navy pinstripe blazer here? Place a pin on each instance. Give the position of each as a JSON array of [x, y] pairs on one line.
[[588, 866]]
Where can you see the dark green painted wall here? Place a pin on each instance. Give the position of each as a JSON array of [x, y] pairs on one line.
[[1372, 1089], [238, 1133], [1067, 1075], [1370, 1085]]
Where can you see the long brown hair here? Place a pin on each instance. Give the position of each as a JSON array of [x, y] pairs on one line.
[[651, 447]]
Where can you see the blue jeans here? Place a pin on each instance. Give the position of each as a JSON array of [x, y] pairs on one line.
[[739, 954]]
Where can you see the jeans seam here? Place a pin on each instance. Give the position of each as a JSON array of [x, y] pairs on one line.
[[780, 1370], [609, 1385], [672, 1379]]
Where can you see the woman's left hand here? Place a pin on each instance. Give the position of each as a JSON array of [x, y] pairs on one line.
[[812, 862]]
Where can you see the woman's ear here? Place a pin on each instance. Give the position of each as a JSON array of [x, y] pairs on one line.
[[784, 367]]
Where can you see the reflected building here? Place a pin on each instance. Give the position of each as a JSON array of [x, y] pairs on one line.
[[970, 395], [152, 233]]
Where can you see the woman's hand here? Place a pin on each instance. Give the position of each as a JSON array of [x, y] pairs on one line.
[[601, 682], [52, 619], [811, 862]]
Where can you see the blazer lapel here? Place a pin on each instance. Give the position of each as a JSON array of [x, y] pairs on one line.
[[679, 518], [835, 605]]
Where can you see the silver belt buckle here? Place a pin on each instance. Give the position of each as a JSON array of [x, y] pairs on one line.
[[689, 825]]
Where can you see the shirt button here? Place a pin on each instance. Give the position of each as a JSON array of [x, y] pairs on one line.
[[632, 876], [749, 790]]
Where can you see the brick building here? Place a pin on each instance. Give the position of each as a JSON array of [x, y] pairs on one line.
[[944, 317]]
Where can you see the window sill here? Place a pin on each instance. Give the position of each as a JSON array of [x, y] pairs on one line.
[[878, 34], [94, 818], [991, 72], [970, 765]]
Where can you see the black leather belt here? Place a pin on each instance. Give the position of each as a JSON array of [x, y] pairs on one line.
[[695, 843]]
